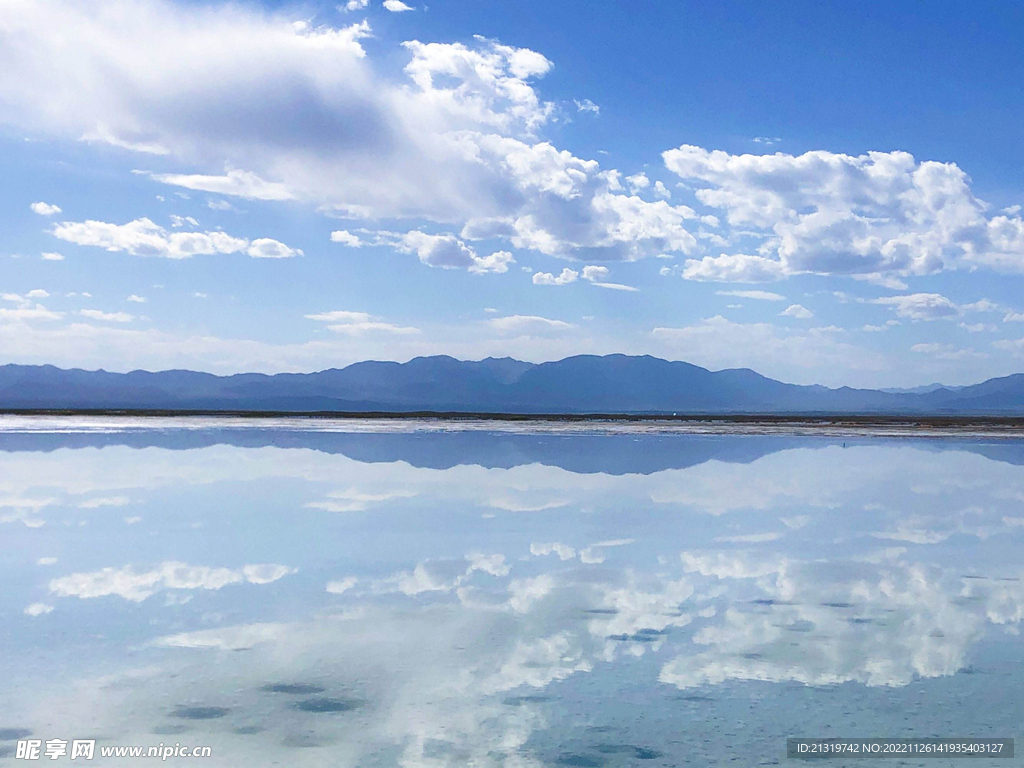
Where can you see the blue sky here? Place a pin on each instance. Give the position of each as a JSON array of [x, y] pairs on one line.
[[825, 193]]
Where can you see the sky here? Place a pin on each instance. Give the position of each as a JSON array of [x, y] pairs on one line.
[[826, 193]]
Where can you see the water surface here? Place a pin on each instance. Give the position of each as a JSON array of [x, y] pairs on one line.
[[411, 594]]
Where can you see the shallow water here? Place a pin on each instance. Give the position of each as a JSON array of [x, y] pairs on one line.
[[425, 595]]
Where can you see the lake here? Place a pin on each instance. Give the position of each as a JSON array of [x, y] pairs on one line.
[[418, 593]]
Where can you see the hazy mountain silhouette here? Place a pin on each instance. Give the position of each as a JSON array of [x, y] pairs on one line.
[[580, 384]]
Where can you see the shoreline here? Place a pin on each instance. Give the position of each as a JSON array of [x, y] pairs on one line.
[[15, 421], [878, 419]]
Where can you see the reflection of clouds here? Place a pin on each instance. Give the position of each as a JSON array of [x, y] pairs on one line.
[[591, 555], [465, 659], [881, 623], [355, 500], [239, 638], [443, 575], [455, 681], [564, 551], [138, 585], [107, 501], [38, 609], [14, 509], [889, 481]]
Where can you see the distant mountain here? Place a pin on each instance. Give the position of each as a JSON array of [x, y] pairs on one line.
[[575, 385], [923, 389]]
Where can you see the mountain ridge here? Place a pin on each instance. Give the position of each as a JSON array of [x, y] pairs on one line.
[[578, 384]]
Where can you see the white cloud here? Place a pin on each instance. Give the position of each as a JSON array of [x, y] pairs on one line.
[[142, 237], [734, 268], [921, 306], [341, 586], [982, 305], [25, 312], [528, 324], [757, 295], [278, 110], [358, 323], [946, 352], [267, 248], [44, 209], [38, 609], [564, 551], [345, 237], [831, 213], [234, 182], [637, 182], [136, 299], [355, 5], [396, 6], [798, 311], [596, 276], [586, 105], [546, 278], [105, 501], [448, 252], [110, 317], [52, 256], [793, 354]]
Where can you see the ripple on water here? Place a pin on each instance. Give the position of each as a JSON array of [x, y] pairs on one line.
[[324, 704], [200, 713], [296, 689]]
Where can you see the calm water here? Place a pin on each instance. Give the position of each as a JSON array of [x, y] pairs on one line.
[[381, 595]]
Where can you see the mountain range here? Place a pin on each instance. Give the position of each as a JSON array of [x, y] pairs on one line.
[[611, 384]]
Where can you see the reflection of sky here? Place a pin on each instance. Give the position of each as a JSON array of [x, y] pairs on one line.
[[427, 599]]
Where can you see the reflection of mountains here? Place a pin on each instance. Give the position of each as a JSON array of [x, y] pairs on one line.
[[613, 454]]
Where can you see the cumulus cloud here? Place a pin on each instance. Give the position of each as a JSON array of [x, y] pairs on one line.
[[830, 213], [798, 311], [38, 609], [448, 252], [921, 306], [734, 268], [358, 323], [44, 209], [396, 6], [142, 237], [52, 256], [345, 237], [594, 274], [267, 248], [287, 110], [546, 278]]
